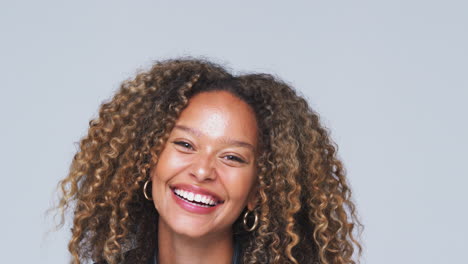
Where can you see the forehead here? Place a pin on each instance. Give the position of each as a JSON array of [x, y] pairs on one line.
[[220, 114]]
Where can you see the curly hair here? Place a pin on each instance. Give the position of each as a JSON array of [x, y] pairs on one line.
[[304, 201]]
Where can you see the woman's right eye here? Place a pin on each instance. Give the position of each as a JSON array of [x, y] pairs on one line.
[[184, 144]]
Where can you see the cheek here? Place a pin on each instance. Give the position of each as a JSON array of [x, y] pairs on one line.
[[239, 185], [170, 162]]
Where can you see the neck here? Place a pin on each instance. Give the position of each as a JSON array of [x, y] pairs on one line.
[[179, 249]]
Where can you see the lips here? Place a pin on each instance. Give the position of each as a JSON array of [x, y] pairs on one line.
[[194, 193], [195, 199], [199, 199]]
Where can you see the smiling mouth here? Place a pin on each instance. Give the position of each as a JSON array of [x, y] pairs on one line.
[[196, 198]]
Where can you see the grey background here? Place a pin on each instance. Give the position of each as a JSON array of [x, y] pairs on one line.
[[389, 79]]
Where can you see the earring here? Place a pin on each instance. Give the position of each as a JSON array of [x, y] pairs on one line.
[[252, 228], [144, 191]]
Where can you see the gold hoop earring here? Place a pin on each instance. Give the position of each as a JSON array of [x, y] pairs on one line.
[[252, 228], [144, 191]]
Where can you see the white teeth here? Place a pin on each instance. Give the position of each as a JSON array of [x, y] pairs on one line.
[[190, 196], [195, 197]]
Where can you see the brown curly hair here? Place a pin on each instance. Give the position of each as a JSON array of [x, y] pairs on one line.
[[304, 206]]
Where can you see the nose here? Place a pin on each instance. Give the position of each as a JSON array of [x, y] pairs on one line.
[[203, 168]]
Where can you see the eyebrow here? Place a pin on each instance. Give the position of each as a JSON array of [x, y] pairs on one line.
[[228, 141]]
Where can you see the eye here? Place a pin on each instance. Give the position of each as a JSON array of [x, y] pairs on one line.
[[183, 144], [234, 158]]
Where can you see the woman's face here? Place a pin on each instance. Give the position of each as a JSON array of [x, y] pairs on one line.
[[206, 172]]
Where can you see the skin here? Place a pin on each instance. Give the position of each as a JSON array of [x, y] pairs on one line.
[[213, 147]]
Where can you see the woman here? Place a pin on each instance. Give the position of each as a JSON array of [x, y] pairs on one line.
[[190, 164]]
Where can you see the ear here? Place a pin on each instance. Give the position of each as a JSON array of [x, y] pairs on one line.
[[154, 160], [152, 173], [152, 170], [252, 199]]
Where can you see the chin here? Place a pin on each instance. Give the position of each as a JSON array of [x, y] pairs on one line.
[[193, 229]]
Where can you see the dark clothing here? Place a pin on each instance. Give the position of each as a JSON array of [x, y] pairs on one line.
[[236, 258]]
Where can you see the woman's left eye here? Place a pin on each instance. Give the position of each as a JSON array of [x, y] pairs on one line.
[[234, 158]]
